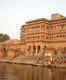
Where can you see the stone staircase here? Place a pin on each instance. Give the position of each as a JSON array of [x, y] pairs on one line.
[[29, 59], [23, 59]]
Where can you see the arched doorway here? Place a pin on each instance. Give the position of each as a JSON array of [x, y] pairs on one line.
[[34, 49], [50, 51], [29, 50], [38, 49], [4, 51]]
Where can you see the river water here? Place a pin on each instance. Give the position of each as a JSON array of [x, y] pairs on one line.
[[28, 72]]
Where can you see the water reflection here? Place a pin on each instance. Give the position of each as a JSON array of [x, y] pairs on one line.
[[27, 72]]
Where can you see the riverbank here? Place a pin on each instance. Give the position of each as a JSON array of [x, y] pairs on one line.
[[29, 60], [42, 65]]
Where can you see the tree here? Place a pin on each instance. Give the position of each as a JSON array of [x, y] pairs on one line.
[[4, 37]]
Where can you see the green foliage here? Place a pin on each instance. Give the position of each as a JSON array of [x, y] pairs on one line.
[[4, 37]]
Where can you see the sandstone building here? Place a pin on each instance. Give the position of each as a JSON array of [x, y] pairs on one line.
[[38, 37], [46, 35]]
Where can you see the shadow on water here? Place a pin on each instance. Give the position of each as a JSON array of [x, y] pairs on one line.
[[28, 72]]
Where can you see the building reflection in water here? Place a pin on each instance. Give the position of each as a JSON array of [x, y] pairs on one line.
[[27, 72]]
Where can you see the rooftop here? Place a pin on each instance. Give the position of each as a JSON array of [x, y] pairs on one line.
[[12, 41], [54, 17]]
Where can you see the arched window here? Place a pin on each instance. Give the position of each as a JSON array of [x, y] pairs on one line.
[[62, 26], [60, 35]]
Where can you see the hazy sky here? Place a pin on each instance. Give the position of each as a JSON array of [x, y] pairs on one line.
[[14, 13]]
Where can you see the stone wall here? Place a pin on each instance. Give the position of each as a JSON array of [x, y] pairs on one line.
[[10, 50]]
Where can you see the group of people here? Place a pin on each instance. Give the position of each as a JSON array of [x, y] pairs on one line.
[[58, 60]]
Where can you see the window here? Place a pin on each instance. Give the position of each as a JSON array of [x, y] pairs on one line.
[[42, 25]]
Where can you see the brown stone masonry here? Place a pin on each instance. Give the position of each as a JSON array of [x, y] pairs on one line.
[[41, 33]]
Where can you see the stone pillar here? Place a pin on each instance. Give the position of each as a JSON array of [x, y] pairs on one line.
[[32, 52], [36, 50], [41, 51]]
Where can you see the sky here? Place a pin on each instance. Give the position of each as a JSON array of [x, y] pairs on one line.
[[14, 13]]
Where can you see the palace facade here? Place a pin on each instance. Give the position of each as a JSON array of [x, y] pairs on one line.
[[38, 37], [42, 35]]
